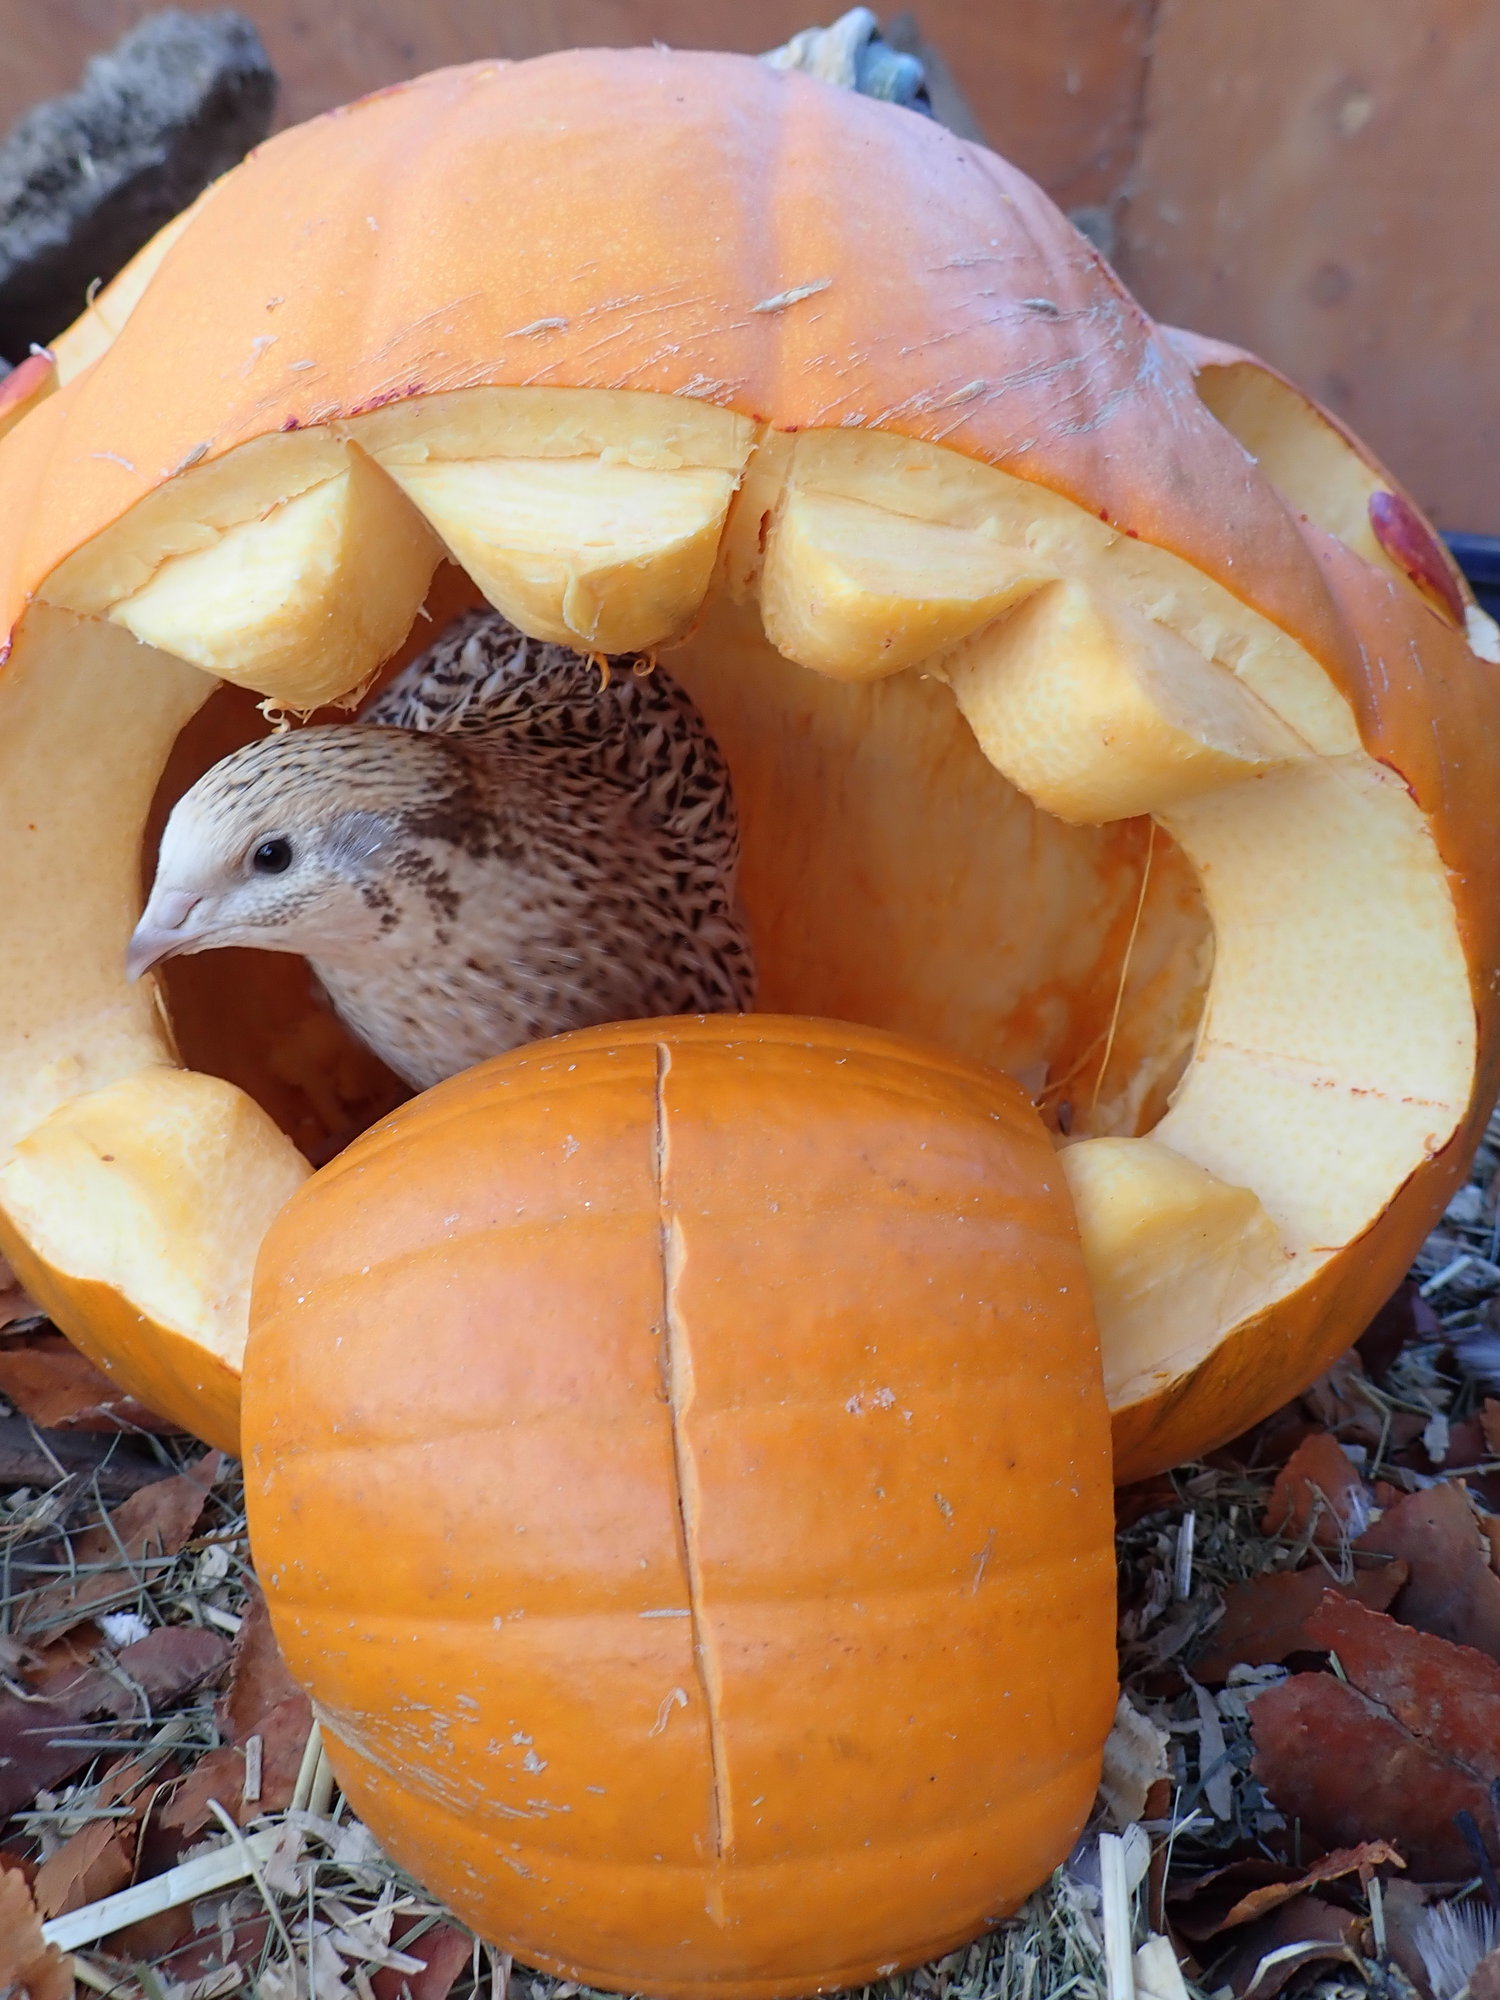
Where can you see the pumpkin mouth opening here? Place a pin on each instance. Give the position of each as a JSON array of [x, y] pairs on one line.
[[1010, 781]]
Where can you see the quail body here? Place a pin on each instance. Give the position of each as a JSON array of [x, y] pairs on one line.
[[507, 843]]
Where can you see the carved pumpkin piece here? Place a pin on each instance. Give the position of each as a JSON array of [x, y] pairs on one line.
[[1060, 741]]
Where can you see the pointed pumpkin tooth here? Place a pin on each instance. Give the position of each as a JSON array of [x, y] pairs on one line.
[[586, 552], [1174, 1256], [857, 592], [1098, 713], [302, 605]]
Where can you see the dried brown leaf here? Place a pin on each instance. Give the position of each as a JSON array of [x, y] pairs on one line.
[[1146, 1496], [1264, 1619], [27, 1962], [1318, 1489], [117, 1465], [1484, 1980], [95, 1862], [1452, 1591], [191, 1953], [283, 1734], [259, 1679], [220, 1776], [445, 1950], [1266, 1957], [1405, 1316], [1447, 1695], [112, 1557], [50, 1382], [1328, 1755], [1339, 1399], [161, 1667], [1199, 1906], [1466, 1444], [1362, 1861], [1246, 1890], [1269, 1443]]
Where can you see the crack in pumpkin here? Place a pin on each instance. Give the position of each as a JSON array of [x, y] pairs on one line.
[[680, 1389]]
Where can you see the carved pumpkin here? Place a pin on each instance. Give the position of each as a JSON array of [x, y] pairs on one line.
[[742, 1619], [1064, 738]]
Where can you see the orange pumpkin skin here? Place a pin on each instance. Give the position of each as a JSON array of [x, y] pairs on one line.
[[353, 243], [337, 272], [679, 1472], [181, 1381]]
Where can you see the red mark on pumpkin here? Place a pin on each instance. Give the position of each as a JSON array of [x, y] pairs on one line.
[[386, 396], [26, 380], [1412, 546]]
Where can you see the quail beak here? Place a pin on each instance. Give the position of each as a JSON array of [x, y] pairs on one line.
[[162, 931]]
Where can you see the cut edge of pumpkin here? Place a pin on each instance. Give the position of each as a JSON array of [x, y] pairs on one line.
[[1349, 1019]]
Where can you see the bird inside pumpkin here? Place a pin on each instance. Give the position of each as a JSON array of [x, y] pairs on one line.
[[513, 840]]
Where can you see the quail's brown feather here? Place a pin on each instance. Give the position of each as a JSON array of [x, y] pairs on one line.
[[504, 845]]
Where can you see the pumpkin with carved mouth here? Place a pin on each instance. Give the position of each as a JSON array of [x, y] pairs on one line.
[[1092, 720]]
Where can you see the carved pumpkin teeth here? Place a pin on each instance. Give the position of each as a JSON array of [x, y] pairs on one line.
[[1080, 661], [1320, 973], [1338, 1010], [1098, 713], [856, 592], [606, 557], [302, 605], [1167, 1244], [1106, 661]]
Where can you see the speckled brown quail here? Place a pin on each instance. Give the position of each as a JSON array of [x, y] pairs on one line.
[[506, 844]]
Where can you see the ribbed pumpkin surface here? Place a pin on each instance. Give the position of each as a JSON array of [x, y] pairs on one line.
[[679, 1471]]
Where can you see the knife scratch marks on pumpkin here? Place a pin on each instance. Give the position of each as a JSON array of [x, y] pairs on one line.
[[677, 1369], [982, 1562], [1101, 417], [676, 1698], [779, 301]]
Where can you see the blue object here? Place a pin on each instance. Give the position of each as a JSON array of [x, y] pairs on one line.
[[1478, 556]]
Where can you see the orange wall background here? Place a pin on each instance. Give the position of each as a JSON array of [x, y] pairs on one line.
[[1315, 179]]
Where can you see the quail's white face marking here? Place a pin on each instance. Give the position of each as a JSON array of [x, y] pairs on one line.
[[502, 849], [275, 847]]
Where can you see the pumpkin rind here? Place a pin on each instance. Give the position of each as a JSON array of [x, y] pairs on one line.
[[388, 289], [1426, 708], [678, 1471], [335, 298]]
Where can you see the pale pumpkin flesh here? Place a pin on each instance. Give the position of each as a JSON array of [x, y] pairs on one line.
[[979, 692], [1077, 723]]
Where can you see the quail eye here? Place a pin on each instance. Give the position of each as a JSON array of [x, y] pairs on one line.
[[272, 857]]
